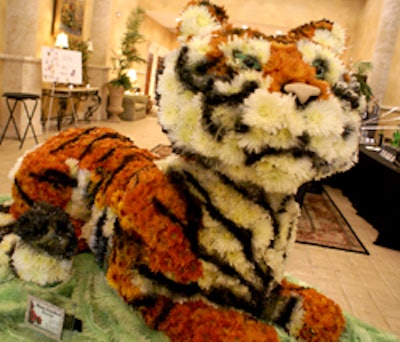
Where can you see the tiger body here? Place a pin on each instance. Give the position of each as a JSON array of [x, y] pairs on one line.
[[207, 230]]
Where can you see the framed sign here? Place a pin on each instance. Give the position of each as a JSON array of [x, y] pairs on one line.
[[44, 317], [61, 66]]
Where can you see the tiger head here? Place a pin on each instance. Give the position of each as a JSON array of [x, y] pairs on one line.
[[275, 111]]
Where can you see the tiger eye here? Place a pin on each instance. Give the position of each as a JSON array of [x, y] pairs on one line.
[[247, 61], [321, 66]]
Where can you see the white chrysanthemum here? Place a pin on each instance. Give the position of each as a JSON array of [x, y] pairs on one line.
[[219, 241], [77, 207], [6, 219], [199, 47], [188, 121], [170, 113], [283, 174], [225, 116], [172, 162], [17, 165], [216, 239], [296, 321], [228, 152], [145, 285], [258, 48], [334, 148], [268, 111], [287, 221], [108, 227], [275, 260], [312, 51], [89, 228], [4, 265], [73, 165], [8, 242], [235, 85], [245, 213], [324, 147], [196, 21], [324, 118], [212, 277], [335, 38], [39, 267]]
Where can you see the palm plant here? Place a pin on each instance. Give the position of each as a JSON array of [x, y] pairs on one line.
[[129, 52]]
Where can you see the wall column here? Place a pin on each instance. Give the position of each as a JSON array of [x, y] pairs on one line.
[[21, 69], [100, 33], [384, 49]]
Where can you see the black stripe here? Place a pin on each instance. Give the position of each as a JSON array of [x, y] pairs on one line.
[[187, 77], [107, 155], [187, 229], [234, 99], [258, 196], [108, 135], [111, 176], [223, 266], [173, 286], [218, 295], [29, 201], [100, 244], [287, 311], [74, 139], [227, 269], [93, 188], [242, 234], [163, 315], [225, 298], [56, 178]]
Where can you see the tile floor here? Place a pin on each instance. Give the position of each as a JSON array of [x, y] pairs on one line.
[[366, 286]]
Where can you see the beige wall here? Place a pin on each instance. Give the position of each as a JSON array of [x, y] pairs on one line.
[[366, 30], [152, 31], [2, 23], [392, 94], [2, 37]]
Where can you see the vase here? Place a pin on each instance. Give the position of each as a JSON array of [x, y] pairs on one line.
[[115, 98]]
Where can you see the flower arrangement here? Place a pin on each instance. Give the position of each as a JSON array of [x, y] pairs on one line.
[[198, 241]]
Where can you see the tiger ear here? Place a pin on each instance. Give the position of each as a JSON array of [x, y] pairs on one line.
[[200, 18], [323, 32]]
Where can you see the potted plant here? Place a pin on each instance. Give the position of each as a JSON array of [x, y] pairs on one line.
[[121, 63], [82, 46], [360, 70]]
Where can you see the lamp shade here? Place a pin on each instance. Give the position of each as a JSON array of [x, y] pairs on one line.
[[62, 41], [132, 75]]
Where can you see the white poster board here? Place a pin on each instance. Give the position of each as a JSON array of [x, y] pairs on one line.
[[61, 66]]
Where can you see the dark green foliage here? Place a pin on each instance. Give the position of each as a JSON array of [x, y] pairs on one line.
[[129, 51]]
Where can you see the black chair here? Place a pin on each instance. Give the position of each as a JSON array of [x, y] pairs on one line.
[[12, 99]]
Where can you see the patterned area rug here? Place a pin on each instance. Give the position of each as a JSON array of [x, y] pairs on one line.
[[321, 223]]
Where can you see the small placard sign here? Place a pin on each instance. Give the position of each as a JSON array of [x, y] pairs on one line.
[[61, 66], [45, 317]]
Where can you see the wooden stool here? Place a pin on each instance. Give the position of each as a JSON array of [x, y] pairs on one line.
[[20, 97]]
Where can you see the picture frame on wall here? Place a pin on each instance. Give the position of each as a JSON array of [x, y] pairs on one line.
[[69, 17]]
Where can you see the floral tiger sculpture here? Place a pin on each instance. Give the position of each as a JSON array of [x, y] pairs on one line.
[[197, 241]]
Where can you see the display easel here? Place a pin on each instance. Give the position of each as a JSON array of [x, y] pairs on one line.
[[61, 66]]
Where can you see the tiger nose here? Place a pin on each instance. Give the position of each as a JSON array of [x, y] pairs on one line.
[[302, 91]]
